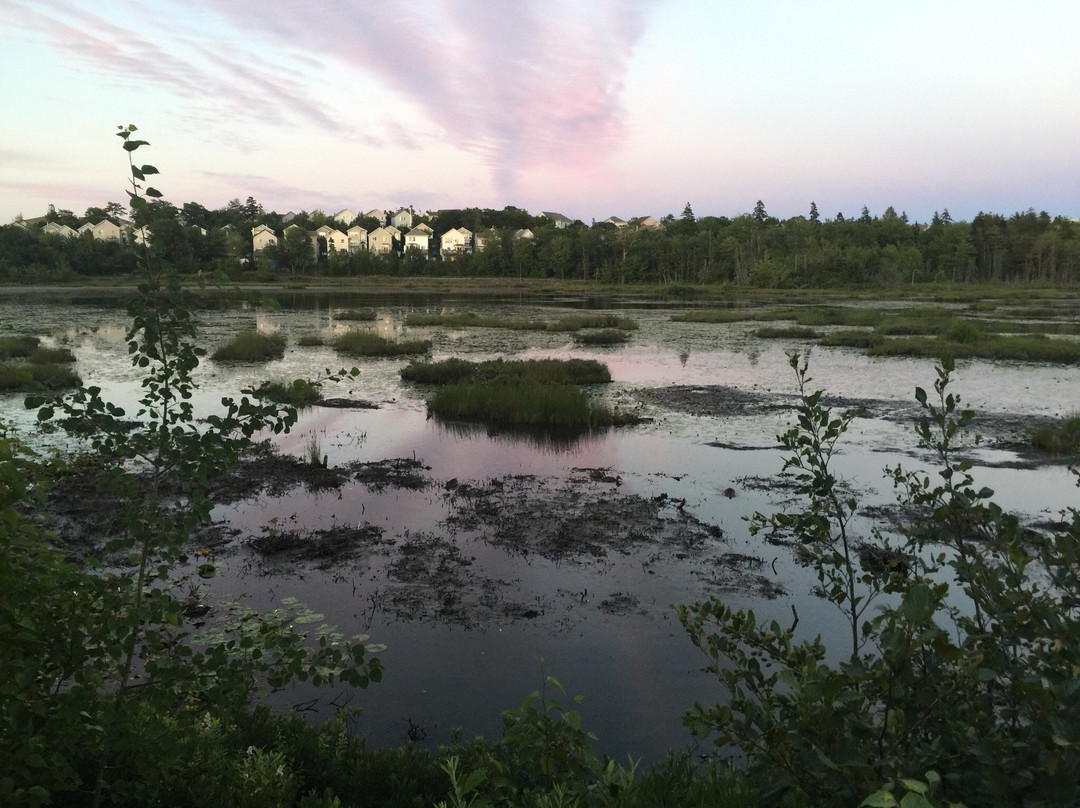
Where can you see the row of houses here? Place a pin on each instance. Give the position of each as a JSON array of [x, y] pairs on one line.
[[382, 240], [105, 230]]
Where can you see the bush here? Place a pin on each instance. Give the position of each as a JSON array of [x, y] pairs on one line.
[[251, 346], [987, 695], [365, 343]]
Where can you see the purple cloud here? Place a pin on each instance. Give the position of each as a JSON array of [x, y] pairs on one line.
[[525, 85], [215, 81]]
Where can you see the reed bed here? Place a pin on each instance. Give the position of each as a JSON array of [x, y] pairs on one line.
[[251, 346], [358, 342]]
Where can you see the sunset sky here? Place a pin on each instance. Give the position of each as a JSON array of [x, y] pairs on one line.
[[589, 108]]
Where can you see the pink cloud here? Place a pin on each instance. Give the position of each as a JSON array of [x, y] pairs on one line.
[[526, 85]]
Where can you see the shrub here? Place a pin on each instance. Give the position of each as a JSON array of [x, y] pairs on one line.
[[365, 343], [987, 695], [251, 346]]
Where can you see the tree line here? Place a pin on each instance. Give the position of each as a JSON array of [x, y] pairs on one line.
[[752, 249]]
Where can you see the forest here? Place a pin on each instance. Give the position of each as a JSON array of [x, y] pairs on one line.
[[754, 249]]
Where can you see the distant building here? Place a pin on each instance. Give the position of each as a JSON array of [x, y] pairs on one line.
[[559, 220], [455, 242], [418, 239], [261, 238]]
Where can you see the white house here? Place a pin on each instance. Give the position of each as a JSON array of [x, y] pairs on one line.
[[559, 220], [107, 231], [646, 222], [522, 233], [403, 219], [358, 237], [381, 240], [345, 216], [418, 239], [336, 241], [377, 215], [261, 238], [615, 220], [456, 242]]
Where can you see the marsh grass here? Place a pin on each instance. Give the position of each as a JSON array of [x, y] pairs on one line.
[[299, 393], [715, 316], [506, 402], [310, 341], [786, 332], [51, 356], [23, 377], [605, 336], [448, 371], [313, 452], [1062, 438], [1030, 347], [576, 322], [850, 338], [544, 371], [469, 319], [251, 346], [365, 343], [18, 346], [356, 315]]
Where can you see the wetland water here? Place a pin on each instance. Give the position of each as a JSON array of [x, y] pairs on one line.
[[474, 554]]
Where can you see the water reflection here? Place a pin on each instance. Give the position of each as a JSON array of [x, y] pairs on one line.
[[545, 439]]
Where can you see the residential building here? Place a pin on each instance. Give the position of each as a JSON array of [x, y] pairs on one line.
[[559, 220], [381, 240], [403, 219], [345, 216], [262, 236], [358, 237], [457, 241], [418, 239]]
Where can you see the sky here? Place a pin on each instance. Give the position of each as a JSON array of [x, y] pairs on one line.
[[589, 108]]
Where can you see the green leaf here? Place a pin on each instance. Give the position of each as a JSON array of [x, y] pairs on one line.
[[132, 145], [879, 799]]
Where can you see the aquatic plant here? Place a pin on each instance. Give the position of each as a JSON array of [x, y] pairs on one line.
[[605, 336], [297, 393], [251, 346], [359, 315], [366, 343], [1060, 438]]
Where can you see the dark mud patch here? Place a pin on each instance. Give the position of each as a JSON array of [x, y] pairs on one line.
[[577, 519], [346, 404], [620, 603], [737, 572], [1001, 431], [265, 471], [321, 546], [398, 472]]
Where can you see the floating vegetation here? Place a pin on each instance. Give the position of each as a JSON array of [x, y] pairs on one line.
[[365, 343], [298, 393], [251, 346], [786, 332], [547, 371], [357, 315], [605, 336]]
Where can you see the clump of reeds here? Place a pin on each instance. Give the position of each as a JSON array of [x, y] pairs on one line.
[[605, 336], [547, 371], [1061, 438], [25, 377], [310, 341], [576, 322], [357, 315], [298, 393], [786, 332], [251, 346], [18, 346], [366, 343], [519, 403]]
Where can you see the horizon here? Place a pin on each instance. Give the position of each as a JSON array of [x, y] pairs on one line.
[[616, 109]]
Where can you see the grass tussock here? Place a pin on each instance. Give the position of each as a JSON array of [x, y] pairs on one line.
[[18, 346], [298, 393], [1030, 348], [358, 342], [310, 341], [576, 322], [543, 371], [786, 332], [27, 377], [51, 356], [470, 319], [605, 336], [251, 346], [507, 402], [1061, 438], [851, 338], [355, 315]]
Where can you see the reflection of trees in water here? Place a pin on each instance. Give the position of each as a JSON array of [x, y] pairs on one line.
[[547, 439]]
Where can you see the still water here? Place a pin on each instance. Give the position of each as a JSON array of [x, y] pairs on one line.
[[602, 621]]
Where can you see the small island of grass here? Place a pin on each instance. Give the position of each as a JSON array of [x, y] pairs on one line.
[[358, 342], [251, 346]]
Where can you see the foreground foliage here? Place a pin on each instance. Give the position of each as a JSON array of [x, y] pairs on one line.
[[966, 679]]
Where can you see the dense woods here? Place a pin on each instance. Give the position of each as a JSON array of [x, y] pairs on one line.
[[753, 249]]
